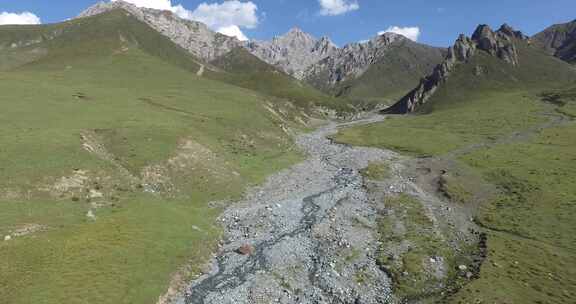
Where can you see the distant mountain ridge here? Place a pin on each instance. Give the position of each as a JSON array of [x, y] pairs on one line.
[[367, 75], [522, 64], [559, 40], [296, 53], [292, 53], [353, 59], [374, 68], [319, 62]]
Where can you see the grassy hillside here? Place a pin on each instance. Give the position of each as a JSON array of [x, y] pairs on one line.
[[393, 75], [82, 39], [514, 127], [243, 69], [111, 148]]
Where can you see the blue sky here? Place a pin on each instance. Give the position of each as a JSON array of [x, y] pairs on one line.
[[439, 21]]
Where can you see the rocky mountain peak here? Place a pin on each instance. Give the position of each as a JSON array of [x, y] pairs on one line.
[[500, 43], [390, 36], [463, 49], [511, 32], [292, 52], [296, 31], [482, 31], [325, 46], [296, 38], [325, 40], [193, 36]]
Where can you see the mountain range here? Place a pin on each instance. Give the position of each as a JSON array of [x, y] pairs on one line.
[[398, 62], [368, 74]]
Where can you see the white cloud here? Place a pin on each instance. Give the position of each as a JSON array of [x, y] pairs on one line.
[[156, 4], [19, 18], [231, 12], [233, 31], [411, 33], [227, 17], [337, 7]]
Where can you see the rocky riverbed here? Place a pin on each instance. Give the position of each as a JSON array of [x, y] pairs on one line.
[[308, 235]]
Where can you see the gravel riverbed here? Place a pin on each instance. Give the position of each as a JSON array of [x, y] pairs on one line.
[[308, 234]]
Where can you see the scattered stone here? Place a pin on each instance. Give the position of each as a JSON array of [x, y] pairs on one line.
[[196, 228], [90, 215], [28, 229], [7, 238], [246, 250], [462, 267], [95, 194]]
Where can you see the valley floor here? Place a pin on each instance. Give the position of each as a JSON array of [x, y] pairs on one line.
[[314, 233]]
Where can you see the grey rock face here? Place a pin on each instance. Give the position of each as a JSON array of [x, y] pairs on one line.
[[352, 60], [500, 44], [193, 36], [463, 49], [558, 40], [293, 52]]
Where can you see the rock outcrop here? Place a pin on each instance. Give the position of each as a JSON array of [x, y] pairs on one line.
[[501, 44], [193, 36], [558, 40], [292, 52]]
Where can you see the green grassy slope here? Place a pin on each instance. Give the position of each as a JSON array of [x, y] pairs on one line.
[[393, 75], [82, 39], [243, 69], [112, 120], [529, 224]]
